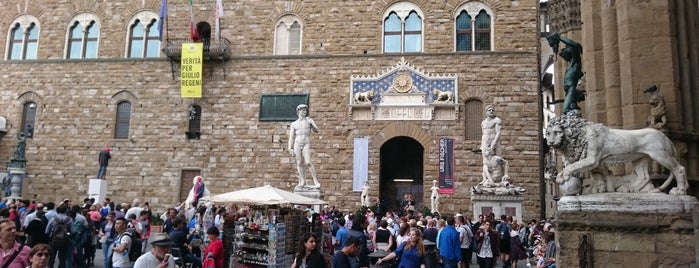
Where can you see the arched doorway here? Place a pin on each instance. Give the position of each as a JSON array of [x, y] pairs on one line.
[[401, 171]]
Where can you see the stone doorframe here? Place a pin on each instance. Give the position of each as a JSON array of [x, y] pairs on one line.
[[401, 128], [398, 129]]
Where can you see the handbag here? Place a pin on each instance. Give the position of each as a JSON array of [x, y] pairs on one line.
[[209, 263]]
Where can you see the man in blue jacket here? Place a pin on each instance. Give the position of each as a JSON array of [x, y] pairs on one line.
[[449, 245]]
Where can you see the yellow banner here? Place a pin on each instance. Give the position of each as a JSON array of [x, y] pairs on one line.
[[190, 70]]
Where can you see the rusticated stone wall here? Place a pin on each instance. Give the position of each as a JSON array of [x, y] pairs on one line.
[[77, 99]]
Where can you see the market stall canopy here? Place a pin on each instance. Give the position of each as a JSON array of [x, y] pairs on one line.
[[265, 195]]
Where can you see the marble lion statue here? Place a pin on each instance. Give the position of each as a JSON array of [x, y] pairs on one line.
[[198, 191], [443, 96], [586, 146], [363, 97]]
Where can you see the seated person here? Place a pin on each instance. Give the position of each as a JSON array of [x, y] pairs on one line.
[[179, 240]]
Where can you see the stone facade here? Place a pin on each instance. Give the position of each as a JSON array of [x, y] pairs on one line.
[[76, 99], [628, 47]]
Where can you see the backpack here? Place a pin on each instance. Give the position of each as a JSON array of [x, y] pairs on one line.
[[135, 247], [504, 230], [60, 234], [525, 236], [469, 234], [76, 233]]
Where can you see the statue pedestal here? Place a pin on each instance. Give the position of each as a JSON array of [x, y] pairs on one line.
[[309, 192], [97, 189], [626, 230], [16, 175], [509, 205]]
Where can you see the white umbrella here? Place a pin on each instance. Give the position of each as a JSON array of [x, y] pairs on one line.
[[265, 195]]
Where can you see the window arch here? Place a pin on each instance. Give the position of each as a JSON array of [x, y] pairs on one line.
[[23, 38], [83, 37], [28, 119], [287, 35], [123, 120], [402, 28], [473, 110], [474, 27], [143, 36]]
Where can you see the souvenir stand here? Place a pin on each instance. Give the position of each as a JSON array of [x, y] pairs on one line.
[[258, 238]]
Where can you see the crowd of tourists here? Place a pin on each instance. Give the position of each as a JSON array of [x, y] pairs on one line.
[[401, 236], [37, 234]]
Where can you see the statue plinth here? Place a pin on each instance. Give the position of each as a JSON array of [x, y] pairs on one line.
[[97, 189], [627, 229], [14, 163], [510, 205], [16, 175], [308, 191]]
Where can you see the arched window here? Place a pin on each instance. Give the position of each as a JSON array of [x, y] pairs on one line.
[[463, 32], [402, 28], [474, 27], [194, 130], [24, 39], [123, 120], [287, 36], [28, 119], [144, 39], [83, 37], [473, 111], [482, 29]]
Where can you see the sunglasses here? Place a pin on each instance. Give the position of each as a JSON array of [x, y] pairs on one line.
[[43, 254]]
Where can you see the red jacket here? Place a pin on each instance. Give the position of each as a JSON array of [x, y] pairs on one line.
[[216, 247]]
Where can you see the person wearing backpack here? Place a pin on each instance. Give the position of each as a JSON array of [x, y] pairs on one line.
[[36, 228], [135, 231], [465, 237], [504, 229], [58, 231], [78, 234], [120, 247]]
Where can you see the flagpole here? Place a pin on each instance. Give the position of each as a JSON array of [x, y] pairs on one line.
[[218, 29], [219, 12]]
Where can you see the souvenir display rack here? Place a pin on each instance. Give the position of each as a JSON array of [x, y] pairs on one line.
[[260, 241]]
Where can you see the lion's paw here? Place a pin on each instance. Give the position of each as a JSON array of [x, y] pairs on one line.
[[678, 191]]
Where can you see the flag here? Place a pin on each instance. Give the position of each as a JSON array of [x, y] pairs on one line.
[[219, 14], [163, 17], [193, 32]]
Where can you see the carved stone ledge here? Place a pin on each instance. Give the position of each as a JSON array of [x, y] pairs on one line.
[[564, 15]]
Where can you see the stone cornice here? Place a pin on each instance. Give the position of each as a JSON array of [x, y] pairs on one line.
[[564, 15]]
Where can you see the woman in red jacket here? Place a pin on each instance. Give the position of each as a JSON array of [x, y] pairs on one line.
[[215, 248]]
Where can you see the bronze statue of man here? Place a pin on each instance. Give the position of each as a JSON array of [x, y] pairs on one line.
[[572, 54]]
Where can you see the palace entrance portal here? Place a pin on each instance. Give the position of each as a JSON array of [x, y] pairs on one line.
[[401, 171]]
